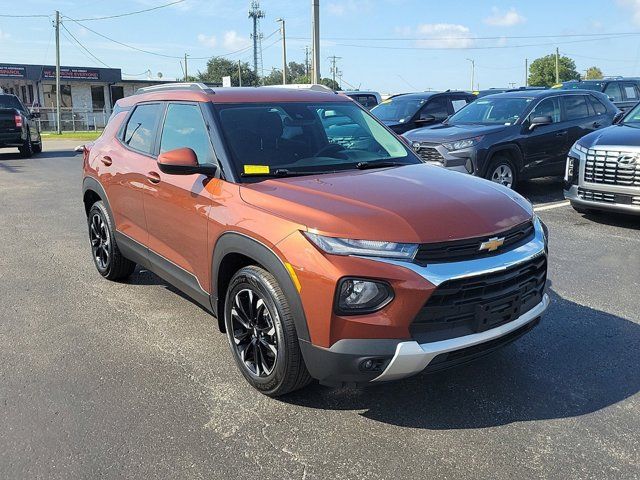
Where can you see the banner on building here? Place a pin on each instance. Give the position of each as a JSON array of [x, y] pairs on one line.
[[12, 71], [72, 73]]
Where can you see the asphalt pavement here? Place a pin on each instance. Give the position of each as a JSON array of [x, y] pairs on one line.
[[133, 380]]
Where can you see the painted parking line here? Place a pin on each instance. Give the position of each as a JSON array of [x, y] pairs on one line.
[[550, 206]]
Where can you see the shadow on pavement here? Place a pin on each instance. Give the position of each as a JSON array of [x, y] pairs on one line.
[[542, 190], [577, 361], [614, 219], [38, 156]]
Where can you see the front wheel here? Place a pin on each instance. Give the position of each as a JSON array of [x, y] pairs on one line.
[[262, 333], [502, 171]]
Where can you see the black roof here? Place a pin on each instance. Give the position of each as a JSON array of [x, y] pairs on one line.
[[536, 94]]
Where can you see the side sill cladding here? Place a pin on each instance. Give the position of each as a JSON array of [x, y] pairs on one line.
[[237, 243]]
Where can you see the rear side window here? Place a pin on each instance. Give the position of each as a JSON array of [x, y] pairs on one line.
[[630, 91], [185, 127], [597, 105], [141, 127], [576, 107], [459, 102], [613, 91]]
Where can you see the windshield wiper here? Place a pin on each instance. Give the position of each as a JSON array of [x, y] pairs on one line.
[[386, 164], [284, 172]]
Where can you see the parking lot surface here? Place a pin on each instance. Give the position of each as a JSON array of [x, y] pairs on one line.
[[110, 380]]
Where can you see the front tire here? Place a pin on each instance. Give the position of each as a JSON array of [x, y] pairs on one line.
[[262, 333], [106, 255], [502, 171]]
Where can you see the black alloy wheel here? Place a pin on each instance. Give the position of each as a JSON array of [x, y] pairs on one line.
[[100, 241]]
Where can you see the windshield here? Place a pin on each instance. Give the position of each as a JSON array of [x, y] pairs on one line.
[[491, 111], [596, 86], [399, 109], [633, 117], [9, 101], [306, 138]]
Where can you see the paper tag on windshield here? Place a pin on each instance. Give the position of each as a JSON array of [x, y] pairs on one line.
[[256, 169]]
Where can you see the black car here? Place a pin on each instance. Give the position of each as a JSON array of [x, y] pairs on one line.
[[493, 91], [516, 135], [623, 92], [409, 111], [18, 127]]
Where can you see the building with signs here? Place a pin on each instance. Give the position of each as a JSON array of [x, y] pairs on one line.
[[87, 94]]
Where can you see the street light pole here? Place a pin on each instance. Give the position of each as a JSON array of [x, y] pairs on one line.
[[473, 72], [58, 97], [284, 51], [315, 16]]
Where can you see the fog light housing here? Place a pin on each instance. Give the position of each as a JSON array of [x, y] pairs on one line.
[[356, 296]]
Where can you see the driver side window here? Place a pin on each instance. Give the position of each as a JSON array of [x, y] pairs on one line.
[[437, 108], [549, 107]]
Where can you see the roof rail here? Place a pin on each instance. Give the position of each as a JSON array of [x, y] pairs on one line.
[[176, 86]]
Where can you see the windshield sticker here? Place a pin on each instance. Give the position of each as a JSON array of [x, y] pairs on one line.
[[256, 169], [385, 101]]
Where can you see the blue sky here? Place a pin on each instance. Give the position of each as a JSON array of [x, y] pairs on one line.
[[386, 45]]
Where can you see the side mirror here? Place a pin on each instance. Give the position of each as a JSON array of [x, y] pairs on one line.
[[540, 121], [617, 118], [183, 161], [35, 114], [425, 119]]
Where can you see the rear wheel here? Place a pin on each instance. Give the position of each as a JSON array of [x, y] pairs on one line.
[[37, 147], [502, 171], [26, 150], [262, 334], [106, 254]]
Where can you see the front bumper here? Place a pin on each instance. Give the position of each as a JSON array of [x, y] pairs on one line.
[[463, 161], [572, 195]]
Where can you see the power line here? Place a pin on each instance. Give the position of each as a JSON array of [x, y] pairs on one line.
[[25, 16], [91, 19], [83, 47]]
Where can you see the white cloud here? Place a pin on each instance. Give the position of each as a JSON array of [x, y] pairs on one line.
[[233, 41], [443, 35], [498, 18], [207, 41], [348, 7], [634, 7]]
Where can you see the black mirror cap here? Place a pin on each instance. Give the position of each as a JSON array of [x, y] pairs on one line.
[[539, 121], [617, 118], [426, 119]]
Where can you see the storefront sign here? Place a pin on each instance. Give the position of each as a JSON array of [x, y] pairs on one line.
[[12, 71], [72, 73]]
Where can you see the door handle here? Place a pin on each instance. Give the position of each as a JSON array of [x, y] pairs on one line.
[[153, 177], [106, 160], [561, 134]]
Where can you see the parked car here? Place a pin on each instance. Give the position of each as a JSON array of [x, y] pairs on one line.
[[493, 91], [365, 98], [351, 262], [603, 168], [409, 111], [516, 135], [623, 92], [18, 126]]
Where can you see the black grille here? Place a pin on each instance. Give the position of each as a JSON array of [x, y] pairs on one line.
[[430, 154], [458, 250], [608, 197], [475, 304]]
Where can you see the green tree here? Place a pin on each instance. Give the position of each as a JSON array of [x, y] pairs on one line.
[[218, 67], [593, 73], [329, 82], [542, 72], [274, 78]]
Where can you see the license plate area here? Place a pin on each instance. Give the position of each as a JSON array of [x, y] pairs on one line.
[[493, 314]]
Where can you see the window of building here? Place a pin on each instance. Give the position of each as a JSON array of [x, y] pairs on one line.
[[97, 98], [50, 96], [116, 94], [185, 127], [141, 127]]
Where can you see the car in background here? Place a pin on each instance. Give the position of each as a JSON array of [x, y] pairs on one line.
[[623, 92], [603, 168], [18, 126], [492, 91], [516, 135], [409, 111], [367, 99]]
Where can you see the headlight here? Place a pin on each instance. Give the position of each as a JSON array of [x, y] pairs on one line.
[[460, 144], [367, 248], [361, 295], [579, 147]]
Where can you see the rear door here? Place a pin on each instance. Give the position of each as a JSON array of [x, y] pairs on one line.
[[124, 166], [177, 206], [580, 116], [545, 147]]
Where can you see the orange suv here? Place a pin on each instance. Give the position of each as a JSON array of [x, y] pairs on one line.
[[322, 244]]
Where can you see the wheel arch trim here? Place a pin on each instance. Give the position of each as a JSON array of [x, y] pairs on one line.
[[511, 149]]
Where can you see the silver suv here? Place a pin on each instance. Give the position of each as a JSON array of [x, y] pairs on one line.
[[603, 168]]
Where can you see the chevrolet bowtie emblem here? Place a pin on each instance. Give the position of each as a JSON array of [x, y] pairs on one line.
[[492, 244]]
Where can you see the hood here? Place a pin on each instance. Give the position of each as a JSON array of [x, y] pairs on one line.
[[450, 133], [414, 204], [616, 135]]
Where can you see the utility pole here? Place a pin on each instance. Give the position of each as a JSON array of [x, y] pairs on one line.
[[255, 14], [473, 72], [284, 51], [306, 60], [557, 65], [334, 70], [58, 97], [186, 73], [526, 72], [315, 35], [239, 74]]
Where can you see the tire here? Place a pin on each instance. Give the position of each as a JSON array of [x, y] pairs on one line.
[[37, 147], [108, 259], [502, 170], [258, 320], [26, 150]]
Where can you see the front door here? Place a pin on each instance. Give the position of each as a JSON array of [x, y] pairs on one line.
[[545, 147], [176, 206]]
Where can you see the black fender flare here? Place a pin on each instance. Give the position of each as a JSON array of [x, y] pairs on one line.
[[237, 243], [91, 184], [513, 149]]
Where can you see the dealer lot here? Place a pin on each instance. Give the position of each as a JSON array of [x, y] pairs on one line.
[[133, 380]]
